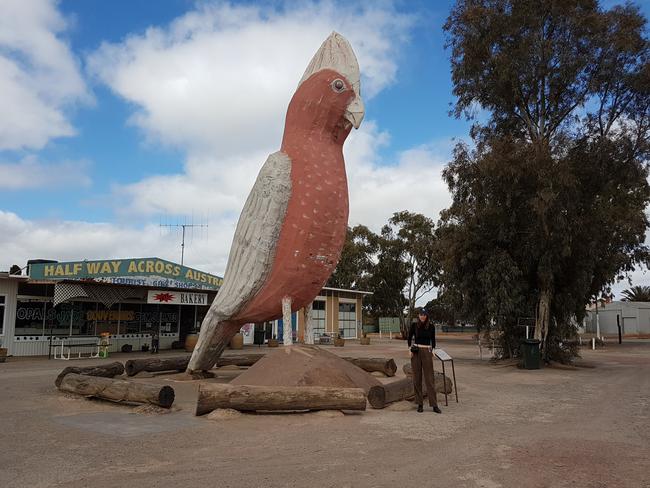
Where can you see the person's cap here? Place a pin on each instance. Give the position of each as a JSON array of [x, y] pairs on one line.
[[423, 311]]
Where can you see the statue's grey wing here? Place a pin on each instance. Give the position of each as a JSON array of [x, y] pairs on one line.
[[256, 237]]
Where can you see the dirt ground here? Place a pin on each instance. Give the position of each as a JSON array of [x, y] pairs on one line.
[[554, 428]]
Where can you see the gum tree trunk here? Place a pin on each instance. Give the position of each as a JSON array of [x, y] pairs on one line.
[[543, 316]]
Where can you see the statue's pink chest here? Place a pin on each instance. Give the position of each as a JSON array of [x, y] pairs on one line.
[[313, 232]]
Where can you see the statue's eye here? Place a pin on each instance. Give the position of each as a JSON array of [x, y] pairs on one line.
[[338, 86]]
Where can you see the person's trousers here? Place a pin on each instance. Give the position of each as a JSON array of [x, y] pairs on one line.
[[422, 364]]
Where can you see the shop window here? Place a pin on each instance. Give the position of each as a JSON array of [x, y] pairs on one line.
[[30, 317], [149, 317], [348, 319], [3, 300], [318, 316], [201, 312], [57, 319], [161, 318], [130, 314], [83, 318], [187, 320], [168, 319], [107, 319]]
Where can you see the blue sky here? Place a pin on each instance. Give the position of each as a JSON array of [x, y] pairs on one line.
[[129, 112]]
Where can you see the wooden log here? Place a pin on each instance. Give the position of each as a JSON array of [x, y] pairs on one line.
[[118, 390], [395, 391], [151, 365], [106, 370], [384, 365], [442, 382], [278, 398], [239, 360]]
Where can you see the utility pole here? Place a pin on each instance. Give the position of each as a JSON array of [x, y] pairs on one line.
[[183, 226]]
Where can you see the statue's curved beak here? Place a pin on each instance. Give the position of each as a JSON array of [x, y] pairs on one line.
[[355, 112]]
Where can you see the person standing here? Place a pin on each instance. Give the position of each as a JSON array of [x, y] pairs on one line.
[[422, 342], [155, 340]]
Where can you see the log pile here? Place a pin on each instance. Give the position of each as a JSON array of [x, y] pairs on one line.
[[152, 365], [278, 398], [117, 390]]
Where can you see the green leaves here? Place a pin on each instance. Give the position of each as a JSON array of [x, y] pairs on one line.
[[551, 198], [399, 265], [637, 294]]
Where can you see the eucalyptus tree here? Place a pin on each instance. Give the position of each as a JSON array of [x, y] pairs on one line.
[[548, 205]]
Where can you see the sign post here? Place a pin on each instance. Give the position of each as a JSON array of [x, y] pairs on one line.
[[444, 357]]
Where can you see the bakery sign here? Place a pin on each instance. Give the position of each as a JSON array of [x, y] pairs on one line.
[[177, 297]]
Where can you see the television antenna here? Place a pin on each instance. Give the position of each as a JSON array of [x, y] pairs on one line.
[[184, 226]]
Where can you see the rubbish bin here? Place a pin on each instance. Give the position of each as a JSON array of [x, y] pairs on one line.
[[531, 354]]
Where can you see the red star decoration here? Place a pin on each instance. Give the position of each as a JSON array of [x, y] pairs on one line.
[[163, 297]]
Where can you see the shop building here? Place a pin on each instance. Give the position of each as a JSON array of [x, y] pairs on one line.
[[133, 298]]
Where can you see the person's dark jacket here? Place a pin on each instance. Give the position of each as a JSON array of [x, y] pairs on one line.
[[423, 334]]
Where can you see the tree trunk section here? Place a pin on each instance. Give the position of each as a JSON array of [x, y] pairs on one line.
[[384, 365], [278, 398], [395, 391], [239, 360], [118, 390], [104, 370], [151, 365]]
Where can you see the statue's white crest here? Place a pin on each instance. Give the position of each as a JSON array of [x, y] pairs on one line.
[[336, 54]]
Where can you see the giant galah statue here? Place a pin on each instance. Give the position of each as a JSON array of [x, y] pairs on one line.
[[292, 228]]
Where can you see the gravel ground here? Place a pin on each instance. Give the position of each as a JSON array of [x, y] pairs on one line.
[[588, 427]]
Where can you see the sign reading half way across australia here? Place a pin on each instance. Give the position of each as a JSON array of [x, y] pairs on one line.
[[133, 271]]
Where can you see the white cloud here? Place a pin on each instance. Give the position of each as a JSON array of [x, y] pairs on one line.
[[218, 79], [413, 182], [22, 239], [39, 75], [32, 173], [216, 83]]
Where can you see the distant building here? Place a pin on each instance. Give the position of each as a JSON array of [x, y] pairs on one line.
[[127, 298], [634, 318]]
